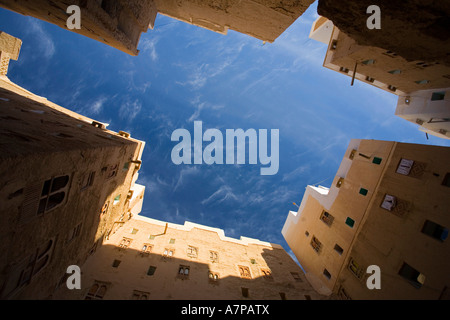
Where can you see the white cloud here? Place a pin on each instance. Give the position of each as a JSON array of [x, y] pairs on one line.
[[148, 46], [224, 193], [183, 174], [45, 42], [130, 109], [97, 106]]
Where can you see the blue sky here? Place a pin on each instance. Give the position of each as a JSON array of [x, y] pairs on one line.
[[185, 73]]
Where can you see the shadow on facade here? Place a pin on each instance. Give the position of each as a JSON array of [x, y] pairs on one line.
[[116, 273], [54, 186]]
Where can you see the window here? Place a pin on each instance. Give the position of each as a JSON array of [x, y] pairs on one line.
[[53, 193], [395, 71], [172, 241], [370, 79], [350, 222], [30, 266], [183, 272], [116, 263], [307, 233], [389, 202], [146, 248], [436, 96], [97, 291], [245, 292], [252, 261], [244, 272], [390, 54], [111, 171], [315, 244], [105, 208], [326, 218], [125, 243], [368, 62], [422, 81], [168, 253], [192, 252], [267, 274], [342, 293], [435, 230], [344, 70], [307, 297], [134, 231], [75, 232], [356, 269], [326, 274], [338, 249], [126, 165], [333, 45], [296, 276], [116, 200], [151, 270], [376, 160], [151, 237], [405, 166], [88, 180], [446, 181], [363, 191], [339, 182], [414, 277], [213, 277], [282, 295], [392, 88], [140, 295], [213, 256]]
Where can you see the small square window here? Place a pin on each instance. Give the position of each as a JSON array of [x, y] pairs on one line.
[[283, 296], [405, 166], [183, 272], [363, 191], [344, 70], [151, 270], [396, 71], [151, 237], [446, 181], [370, 79], [435, 96], [134, 231], [244, 272], [338, 249], [368, 62], [116, 263], [413, 276], [422, 81], [389, 202], [296, 276], [376, 160], [172, 241], [350, 222], [435, 230], [244, 292], [316, 244], [116, 200], [392, 88], [326, 218], [252, 261], [327, 274]]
